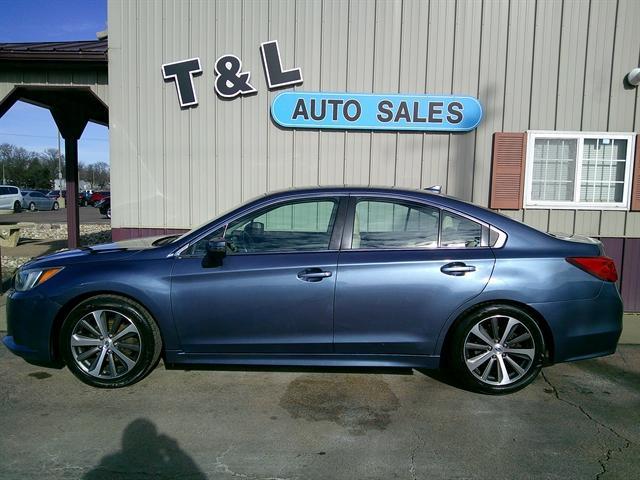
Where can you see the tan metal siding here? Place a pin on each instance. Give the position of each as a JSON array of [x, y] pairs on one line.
[[539, 65], [362, 18]]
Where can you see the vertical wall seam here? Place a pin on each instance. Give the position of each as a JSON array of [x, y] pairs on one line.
[[506, 66], [138, 156], [475, 134], [584, 76], [322, 3], [346, 87], [533, 62], [242, 103], [190, 117], [424, 90], [401, 33], [555, 113], [613, 56], [269, 121], [453, 71], [373, 80], [295, 56]]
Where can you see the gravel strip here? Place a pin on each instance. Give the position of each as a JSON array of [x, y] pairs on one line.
[[89, 235]]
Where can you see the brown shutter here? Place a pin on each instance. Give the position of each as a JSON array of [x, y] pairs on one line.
[[635, 179], [507, 170]]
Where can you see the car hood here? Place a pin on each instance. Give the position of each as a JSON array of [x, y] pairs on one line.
[[113, 251]]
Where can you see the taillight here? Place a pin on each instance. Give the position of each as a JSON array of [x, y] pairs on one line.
[[601, 267]]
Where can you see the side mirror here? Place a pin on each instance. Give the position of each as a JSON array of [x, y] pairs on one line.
[[216, 250], [217, 247]]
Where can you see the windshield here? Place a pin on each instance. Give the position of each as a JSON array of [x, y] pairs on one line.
[[174, 239]]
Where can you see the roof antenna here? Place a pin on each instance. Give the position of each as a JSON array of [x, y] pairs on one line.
[[434, 189]]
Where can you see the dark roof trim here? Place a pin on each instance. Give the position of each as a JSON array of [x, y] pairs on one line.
[[80, 51]]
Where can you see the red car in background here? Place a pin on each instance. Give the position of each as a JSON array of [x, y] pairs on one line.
[[96, 197]]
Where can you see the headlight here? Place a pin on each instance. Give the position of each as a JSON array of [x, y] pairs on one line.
[[28, 279]]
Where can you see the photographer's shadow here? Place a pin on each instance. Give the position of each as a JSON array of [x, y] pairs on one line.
[[146, 454]]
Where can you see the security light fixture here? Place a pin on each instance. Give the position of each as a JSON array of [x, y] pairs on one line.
[[633, 77]]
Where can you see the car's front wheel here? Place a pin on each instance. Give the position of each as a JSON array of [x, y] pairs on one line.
[[110, 341], [497, 349], [55, 206]]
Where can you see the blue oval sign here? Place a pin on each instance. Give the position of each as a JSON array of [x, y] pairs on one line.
[[365, 111]]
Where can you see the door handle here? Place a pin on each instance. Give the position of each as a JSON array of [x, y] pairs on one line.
[[313, 274], [457, 269]]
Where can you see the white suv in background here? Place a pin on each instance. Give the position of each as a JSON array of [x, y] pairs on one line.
[[10, 198]]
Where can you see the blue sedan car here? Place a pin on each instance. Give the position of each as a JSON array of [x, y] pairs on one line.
[[330, 277]]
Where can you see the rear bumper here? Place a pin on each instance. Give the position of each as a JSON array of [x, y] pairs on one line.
[[30, 319], [584, 328]]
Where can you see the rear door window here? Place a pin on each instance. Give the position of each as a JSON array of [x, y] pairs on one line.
[[459, 232], [389, 224]]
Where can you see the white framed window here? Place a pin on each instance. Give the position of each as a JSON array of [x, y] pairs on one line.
[[578, 170]]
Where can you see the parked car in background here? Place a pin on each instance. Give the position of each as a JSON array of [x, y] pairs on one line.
[[56, 194], [10, 198], [335, 276], [105, 206], [96, 197], [34, 200]]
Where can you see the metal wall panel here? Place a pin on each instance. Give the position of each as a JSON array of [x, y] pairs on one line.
[[597, 72], [539, 65], [362, 23], [466, 66], [255, 108], [573, 45], [307, 56], [334, 60], [439, 79], [387, 44], [517, 89], [491, 92], [544, 81], [203, 118]]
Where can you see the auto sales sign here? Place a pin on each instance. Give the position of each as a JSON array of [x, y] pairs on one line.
[[326, 110]]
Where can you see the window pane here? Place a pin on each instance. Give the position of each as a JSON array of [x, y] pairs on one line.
[[554, 166], [292, 227], [383, 224], [603, 170], [459, 232]]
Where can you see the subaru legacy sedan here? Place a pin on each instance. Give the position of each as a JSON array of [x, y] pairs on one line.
[[325, 277]]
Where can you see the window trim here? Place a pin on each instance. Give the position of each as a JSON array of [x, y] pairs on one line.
[[347, 231], [334, 239], [532, 135]]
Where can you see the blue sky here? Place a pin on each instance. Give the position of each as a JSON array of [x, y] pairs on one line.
[[50, 21]]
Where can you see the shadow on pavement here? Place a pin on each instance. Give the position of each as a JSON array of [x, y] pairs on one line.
[[146, 454]]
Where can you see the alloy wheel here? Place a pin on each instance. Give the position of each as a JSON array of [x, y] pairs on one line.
[[106, 344], [499, 350]]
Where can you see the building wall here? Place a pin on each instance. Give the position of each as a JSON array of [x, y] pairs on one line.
[[545, 64]]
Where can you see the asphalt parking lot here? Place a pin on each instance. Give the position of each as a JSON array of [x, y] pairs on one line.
[[579, 421], [87, 215]]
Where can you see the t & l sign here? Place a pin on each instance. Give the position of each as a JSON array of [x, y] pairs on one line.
[[324, 110]]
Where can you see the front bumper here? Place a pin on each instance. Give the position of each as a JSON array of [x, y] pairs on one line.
[[584, 328], [30, 321]]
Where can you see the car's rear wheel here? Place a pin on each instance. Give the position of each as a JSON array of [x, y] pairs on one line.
[[17, 207], [55, 206], [110, 341], [497, 349], [109, 212], [32, 207]]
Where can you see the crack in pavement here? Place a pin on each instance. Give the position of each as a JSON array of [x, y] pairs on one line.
[[414, 450], [220, 465], [610, 451]]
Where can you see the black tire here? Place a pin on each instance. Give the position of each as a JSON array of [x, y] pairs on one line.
[[17, 207], [148, 348], [491, 360], [55, 206], [32, 207], [109, 213]]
